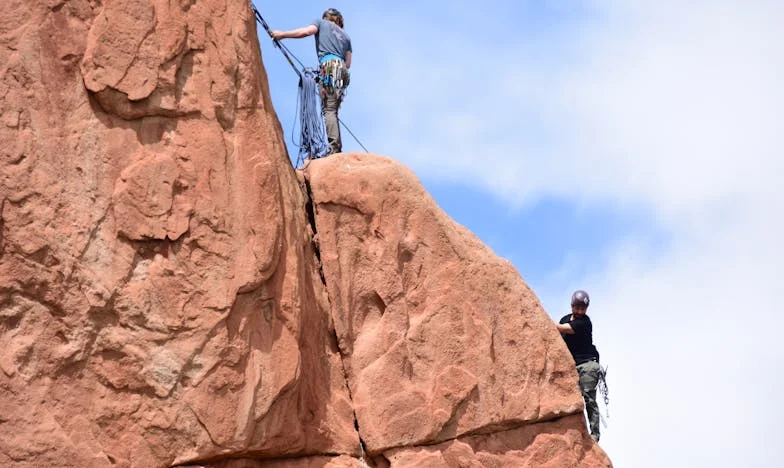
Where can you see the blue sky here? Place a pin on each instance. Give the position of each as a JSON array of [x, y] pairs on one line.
[[629, 148]]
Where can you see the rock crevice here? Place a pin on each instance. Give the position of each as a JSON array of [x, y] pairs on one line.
[[434, 350], [310, 211], [171, 295]]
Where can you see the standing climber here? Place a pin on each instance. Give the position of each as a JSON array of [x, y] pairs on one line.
[[577, 332], [333, 47]]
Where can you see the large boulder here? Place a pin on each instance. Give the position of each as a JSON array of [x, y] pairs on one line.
[[159, 301], [440, 337], [163, 298]]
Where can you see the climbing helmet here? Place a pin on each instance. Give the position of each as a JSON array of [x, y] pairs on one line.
[[580, 297]]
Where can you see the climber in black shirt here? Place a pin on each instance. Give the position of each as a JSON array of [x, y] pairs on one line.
[[577, 331]]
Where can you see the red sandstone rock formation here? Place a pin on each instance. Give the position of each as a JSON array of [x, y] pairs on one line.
[[158, 297], [441, 339], [161, 302]]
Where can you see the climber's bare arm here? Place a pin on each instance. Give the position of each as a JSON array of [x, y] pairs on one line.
[[348, 59], [304, 31], [565, 328]]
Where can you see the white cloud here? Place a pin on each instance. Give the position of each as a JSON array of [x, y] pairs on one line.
[[673, 106], [692, 345], [669, 104]]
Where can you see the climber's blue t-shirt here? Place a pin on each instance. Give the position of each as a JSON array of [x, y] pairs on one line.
[[331, 39]]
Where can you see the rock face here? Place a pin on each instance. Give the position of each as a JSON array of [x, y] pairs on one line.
[[441, 339], [553, 444], [161, 301]]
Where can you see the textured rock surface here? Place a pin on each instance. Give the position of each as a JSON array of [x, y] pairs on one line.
[[440, 337], [559, 444], [159, 301], [302, 462]]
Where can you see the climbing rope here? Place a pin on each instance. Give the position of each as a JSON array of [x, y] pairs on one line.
[[313, 135], [283, 49], [352, 135]]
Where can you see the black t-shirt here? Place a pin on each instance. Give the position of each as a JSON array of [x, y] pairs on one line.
[[581, 343]]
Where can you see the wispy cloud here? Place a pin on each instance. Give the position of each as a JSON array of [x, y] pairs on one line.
[[670, 103]]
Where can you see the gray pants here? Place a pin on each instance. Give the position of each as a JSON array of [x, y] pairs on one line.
[[589, 378], [331, 98]]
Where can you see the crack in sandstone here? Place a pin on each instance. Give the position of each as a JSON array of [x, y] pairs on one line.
[[91, 237], [2, 227], [209, 462], [458, 411], [447, 432], [204, 427], [484, 431], [310, 211]]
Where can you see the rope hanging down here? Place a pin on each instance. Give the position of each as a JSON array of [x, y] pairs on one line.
[[313, 135]]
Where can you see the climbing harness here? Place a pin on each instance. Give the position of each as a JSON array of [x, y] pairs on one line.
[[333, 72], [313, 141], [604, 391]]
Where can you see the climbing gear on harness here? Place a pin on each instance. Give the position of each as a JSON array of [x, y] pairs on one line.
[[580, 297], [333, 72], [604, 391], [603, 385]]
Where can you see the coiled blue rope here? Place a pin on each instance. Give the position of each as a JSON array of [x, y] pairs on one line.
[[313, 141]]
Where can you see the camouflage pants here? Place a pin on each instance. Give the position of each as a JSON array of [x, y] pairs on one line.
[[589, 378]]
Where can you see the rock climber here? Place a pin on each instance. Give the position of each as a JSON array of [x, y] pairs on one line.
[[577, 331], [333, 47]]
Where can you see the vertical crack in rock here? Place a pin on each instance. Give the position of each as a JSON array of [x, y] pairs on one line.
[[2, 224], [402, 278], [310, 210], [142, 216]]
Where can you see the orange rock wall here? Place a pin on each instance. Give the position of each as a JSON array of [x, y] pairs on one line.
[[159, 302], [161, 298], [441, 338]]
